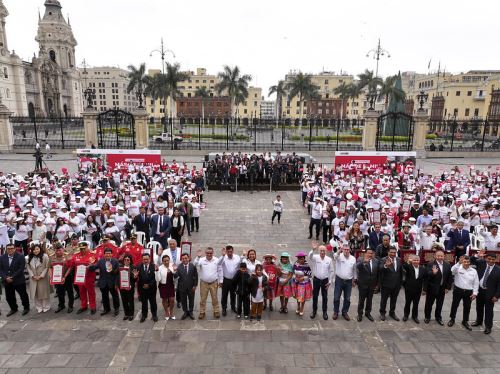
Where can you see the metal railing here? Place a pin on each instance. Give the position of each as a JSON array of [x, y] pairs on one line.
[[58, 132], [463, 135]]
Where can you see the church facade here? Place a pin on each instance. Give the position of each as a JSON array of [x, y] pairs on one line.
[[49, 85]]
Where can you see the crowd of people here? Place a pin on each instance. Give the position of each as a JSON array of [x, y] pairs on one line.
[[127, 227]]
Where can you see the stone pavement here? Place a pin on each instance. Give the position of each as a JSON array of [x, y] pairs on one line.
[[67, 343]]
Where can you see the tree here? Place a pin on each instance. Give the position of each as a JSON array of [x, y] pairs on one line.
[[370, 81], [301, 86], [280, 91], [343, 92], [234, 85], [388, 90], [156, 88], [173, 77], [202, 93], [354, 92], [137, 78]]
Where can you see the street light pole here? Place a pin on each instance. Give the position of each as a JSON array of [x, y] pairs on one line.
[[377, 52]]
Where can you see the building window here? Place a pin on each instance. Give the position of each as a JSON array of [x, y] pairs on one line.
[[326, 81], [457, 93], [5, 73], [52, 55], [469, 93], [7, 93], [244, 111], [467, 111], [476, 112]]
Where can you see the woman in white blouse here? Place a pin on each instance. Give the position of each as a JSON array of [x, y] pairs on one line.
[[250, 258], [62, 230], [21, 235], [165, 278]]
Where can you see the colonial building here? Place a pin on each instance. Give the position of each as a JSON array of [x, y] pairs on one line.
[[49, 85]]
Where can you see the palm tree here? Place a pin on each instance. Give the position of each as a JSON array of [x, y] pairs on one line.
[[343, 91], [173, 77], [354, 92], [301, 86], [202, 93], [280, 91], [371, 82], [234, 85], [156, 88], [137, 78], [388, 90]]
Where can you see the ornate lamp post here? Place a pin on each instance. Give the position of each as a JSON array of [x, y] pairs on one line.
[[377, 52], [422, 99], [162, 51]]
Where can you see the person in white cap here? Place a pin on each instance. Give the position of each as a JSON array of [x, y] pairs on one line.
[[316, 214]]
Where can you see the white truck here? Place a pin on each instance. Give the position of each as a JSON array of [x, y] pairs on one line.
[[166, 138]]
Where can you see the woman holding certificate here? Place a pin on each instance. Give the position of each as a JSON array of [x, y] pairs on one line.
[[84, 278], [127, 286], [39, 289], [165, 279]]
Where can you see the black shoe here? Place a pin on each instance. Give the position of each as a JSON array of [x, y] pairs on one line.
[[451, 322], [360, 318], [191, 316], [11, 313], [382, 317], [125, 318], [466, 325], [130, 318], [155, 319], [179, 305], [104, 312], [325, 316], [70, 309], [59, 309], [93, 311], [476, 323], [416, 320], [143, 319], [25, 311], [394, 316], [81, 310], [309, 237], [440, 321], [313, 315], [184, 316], [369, 316], [426, 320], [487, 331], [224, 312], [405, 318], [117, 311]]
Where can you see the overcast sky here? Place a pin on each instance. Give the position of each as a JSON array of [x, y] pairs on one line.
[[268, 38]]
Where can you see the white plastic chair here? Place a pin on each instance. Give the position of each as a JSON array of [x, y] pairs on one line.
[[478, 229], [480, 242], [155, 247], [141, 237]]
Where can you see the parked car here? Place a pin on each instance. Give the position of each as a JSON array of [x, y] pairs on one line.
[[166, 138]]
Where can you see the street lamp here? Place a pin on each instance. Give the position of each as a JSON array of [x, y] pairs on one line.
[[377, 52], [422, 98], [162, 51]]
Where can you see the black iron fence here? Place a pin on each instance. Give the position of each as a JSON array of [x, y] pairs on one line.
[[463, 135], [58, 132], [256, 134]]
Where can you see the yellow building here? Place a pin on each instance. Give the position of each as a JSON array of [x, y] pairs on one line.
[[199, 79]]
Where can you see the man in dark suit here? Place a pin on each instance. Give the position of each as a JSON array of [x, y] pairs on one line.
[[413, 283], [391, 276], [382, 250], [187, 276], [437, 283], [142, 223], [12, 266], [375, 237], [146, 282], [459, 240], [489, 290], [108, 277], [160, 227], [368, 279]]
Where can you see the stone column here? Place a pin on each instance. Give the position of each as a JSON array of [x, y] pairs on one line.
[[370, 130], [6, 132], [420, 133], [90, 126], [141, 128]]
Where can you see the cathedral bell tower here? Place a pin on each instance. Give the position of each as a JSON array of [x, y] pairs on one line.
[[3, 35]]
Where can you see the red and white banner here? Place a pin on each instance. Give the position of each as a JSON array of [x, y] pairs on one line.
[[118, 158], [361, 160]]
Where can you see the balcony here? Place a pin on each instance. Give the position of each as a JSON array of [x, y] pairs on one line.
[[479, 97]]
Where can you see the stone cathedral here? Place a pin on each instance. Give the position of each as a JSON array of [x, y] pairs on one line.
[[49, 85]]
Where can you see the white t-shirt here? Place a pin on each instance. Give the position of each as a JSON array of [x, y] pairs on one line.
[[278, 206], [259, 296], [196, 209]]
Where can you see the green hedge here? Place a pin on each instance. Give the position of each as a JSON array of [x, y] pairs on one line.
[[215, 137]]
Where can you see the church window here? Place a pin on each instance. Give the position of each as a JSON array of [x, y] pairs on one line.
[[7, 93], [52, 55], [5, 73]]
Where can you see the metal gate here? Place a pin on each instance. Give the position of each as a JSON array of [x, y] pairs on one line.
[[116, 129], [395, 132]]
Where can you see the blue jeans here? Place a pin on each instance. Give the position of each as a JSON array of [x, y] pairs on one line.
[[345, 286]]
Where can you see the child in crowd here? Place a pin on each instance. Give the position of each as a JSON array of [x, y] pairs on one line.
[[258, 286], [240, 281], [272, 271]]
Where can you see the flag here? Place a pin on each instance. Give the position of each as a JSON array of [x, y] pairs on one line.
[[429, 64]]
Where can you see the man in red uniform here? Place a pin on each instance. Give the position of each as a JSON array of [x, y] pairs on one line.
[[133, 248], [87, 289], [106, 243]]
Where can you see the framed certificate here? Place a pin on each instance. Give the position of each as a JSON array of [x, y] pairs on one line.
[[186, 247], [124, 279], [406, 205], [80, 274], [57, 273], [376, 216], [342, 206]]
